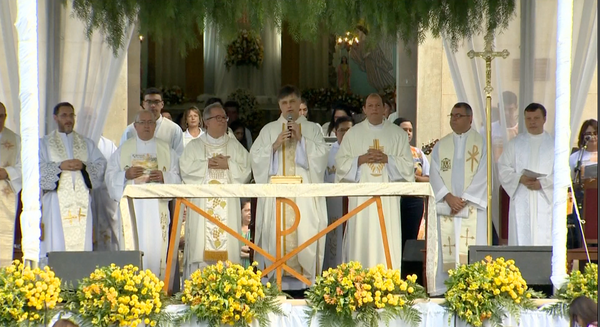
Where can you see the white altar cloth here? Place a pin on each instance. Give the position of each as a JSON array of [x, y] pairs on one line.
[[153, 191]]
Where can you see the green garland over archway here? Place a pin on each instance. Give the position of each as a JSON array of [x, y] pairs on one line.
[[306, 19]]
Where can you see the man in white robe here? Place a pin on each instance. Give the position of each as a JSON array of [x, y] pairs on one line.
[[166, 130], [10, 186], [335, 205], [213, 158], [459, 182], [104, 209], [374, 151], [71, 166], [291, 146], [140, 160], [526, 173]]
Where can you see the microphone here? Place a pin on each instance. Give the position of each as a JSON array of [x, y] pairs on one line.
[[587, 138], [290, 118]]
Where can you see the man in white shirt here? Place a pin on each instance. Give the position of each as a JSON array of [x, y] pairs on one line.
[[140, 160], [459, 182], [233, 111], [71, 166], [10, 186], [374, 151], [526, 169], [165, 130]]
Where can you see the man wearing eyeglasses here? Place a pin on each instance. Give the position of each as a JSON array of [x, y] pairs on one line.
[[166, 129], [213, 158], [525, 169], [10, 186], [459, 181], [71, 165], [140, 160]]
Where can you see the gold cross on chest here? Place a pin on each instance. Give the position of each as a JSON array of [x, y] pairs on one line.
[[449, 245], [467, 237], [376, 145]]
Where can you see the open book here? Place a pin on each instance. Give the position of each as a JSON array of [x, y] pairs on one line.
[[146, 161], [532, 174]]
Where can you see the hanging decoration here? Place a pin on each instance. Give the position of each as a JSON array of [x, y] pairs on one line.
[[347, 41], [245, 50]]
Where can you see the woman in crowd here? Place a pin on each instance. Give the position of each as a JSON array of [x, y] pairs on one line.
[[239, 130], [339, 110], [193, 122], [587, 144]]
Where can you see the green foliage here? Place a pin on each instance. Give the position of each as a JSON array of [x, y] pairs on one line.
[[249, 113], [306, 19], [577, 285]]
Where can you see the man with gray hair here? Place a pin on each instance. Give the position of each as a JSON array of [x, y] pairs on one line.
[[213, 158], [140, 160]]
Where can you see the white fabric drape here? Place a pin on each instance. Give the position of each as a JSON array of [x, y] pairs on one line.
[[527, 72], [562, 171], [263, 82], [28, 92], [71, 68], [9, 70]]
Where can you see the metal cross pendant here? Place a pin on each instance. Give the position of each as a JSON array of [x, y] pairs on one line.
[[488, 55]]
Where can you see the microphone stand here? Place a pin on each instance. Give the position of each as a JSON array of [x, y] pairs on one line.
[[579, 183], [578, 179]]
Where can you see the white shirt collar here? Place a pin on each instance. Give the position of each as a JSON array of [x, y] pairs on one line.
[[463, 134], [150, 141], [380, 126], [216, 141]]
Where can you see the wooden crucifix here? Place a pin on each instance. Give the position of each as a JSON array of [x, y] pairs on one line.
[[488, 55]]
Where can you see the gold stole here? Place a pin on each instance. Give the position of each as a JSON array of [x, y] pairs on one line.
[[163, 157], [468, 226], [73, 194], [8, 201], [290, 241], [215, 238]]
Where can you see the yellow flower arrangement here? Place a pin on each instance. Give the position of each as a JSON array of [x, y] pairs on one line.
[[27, 296], [118, 296], [486, 290], [578, 284], [228, 294], [350, 294]]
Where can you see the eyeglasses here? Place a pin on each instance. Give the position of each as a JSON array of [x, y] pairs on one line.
[[457, 116], [218, 118], [151, 102], [591, 134], [147, 123]]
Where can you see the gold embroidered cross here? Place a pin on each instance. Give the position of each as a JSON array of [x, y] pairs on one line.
[[449, 245], [473, 156], [71, 217], [7, 145], [467, 237], [376, 145]]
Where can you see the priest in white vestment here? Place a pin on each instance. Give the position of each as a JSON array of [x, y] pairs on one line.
[[291, 146], [458, 177], [213, 158], [166, 130], [335, 205], [374, 151], [104, 209], [71, 166], [10, 186], [526, 172], [140, 160]]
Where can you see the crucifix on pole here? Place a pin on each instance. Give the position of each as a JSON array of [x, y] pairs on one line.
[[488, 55]]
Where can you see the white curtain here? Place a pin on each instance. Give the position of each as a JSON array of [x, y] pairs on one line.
[[263, 82], [71, 68], [528, 72]]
